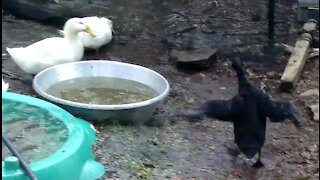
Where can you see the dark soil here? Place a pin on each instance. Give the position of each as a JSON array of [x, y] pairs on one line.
[[170, 147]]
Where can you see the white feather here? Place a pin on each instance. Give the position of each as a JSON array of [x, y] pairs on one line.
[[101, 26], [51, 51]]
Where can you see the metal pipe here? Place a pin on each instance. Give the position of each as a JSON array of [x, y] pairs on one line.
[[271, 10], [23, 163]]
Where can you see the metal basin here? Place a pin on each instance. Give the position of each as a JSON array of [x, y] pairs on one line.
[[138, 113]]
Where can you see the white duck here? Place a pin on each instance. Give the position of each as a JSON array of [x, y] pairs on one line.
[[52, 51], [5, 86], [103, 29]]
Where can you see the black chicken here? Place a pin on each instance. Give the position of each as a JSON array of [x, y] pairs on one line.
[[248, 110]]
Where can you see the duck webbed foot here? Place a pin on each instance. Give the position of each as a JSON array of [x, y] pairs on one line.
[[258, 164]]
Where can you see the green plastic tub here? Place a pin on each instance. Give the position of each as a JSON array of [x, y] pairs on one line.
[[73, 161]]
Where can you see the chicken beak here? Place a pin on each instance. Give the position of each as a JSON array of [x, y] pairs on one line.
[[90, 31]]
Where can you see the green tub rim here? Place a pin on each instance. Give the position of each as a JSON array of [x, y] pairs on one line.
[[71, 122]]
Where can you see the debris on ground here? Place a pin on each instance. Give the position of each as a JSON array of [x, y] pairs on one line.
[[198, 59]]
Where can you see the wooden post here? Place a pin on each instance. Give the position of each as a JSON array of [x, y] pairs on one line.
[[296, 62], [298, 57]]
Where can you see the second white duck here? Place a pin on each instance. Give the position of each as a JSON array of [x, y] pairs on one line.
[[103, 29], [52, 51]]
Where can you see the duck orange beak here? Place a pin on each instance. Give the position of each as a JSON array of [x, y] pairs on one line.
[[90, 31]]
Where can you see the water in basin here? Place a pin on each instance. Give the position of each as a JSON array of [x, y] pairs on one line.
[[102, 90], [35, 132]]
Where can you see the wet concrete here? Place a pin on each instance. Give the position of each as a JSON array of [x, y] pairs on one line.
[[171, 147]]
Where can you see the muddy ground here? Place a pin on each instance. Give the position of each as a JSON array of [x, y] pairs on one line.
[[170, 147]]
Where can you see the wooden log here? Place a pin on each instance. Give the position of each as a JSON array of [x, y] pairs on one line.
[[296, 63], [310, 26]]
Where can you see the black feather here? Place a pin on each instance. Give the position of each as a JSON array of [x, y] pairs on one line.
[[248, 110]]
